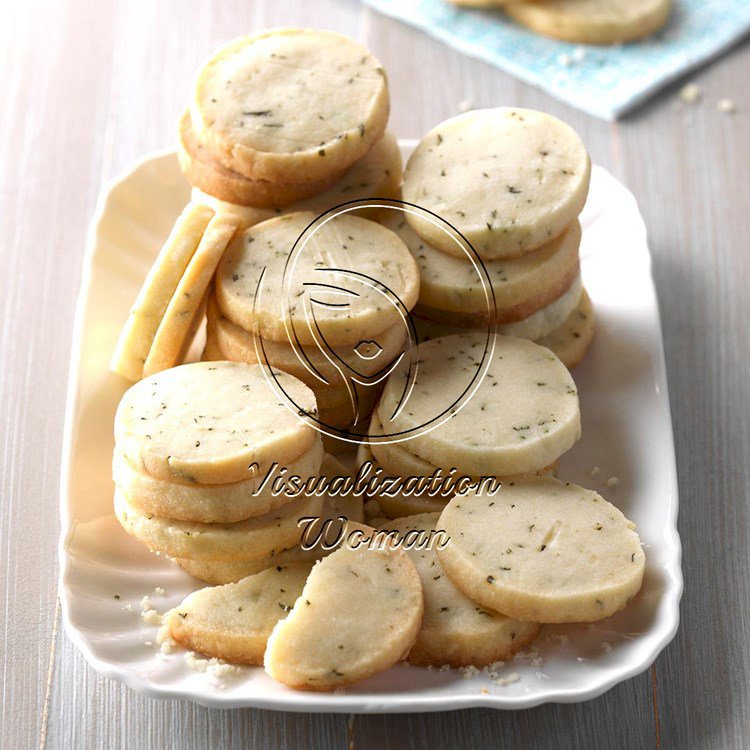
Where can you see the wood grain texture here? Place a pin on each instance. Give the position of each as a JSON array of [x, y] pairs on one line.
[[88, 87]]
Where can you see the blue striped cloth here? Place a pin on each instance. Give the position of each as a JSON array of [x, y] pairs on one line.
[[603, 81]]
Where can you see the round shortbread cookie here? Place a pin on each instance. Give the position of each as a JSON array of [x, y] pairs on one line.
[[455, 630], [174, 333], [211, 423], [544, 551], [320, 538], [358, 615], [366, 358], [329, 292], [376, 175], [233, 622], [209, 175], [138, 333], [572, 339], [211, 503], [251, 539], [593, 21], [521, 416], [510, 180], [290, 102], [538, 324], [521, 286]]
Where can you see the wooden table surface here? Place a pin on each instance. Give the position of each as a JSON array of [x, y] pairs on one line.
[[87, 87]]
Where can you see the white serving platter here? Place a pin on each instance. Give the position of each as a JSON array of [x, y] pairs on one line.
[[627, 434]]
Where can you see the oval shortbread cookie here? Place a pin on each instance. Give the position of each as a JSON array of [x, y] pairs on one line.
[[455, 629], [290, 102], [211, 503], [251, 539], [211, 422], [233, 622], [521, 286], [522, 415], [137, 335], [336, 280], [543, 550], [358, 615], [510, 180], [571, 340], [209, 175], [376, 175], [308, 363], [593, 21], [178, 324]]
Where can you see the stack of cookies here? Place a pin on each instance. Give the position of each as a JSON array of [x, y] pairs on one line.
[[334, 314], [193, 447], [289, 120], [496, 406], [512, 182]]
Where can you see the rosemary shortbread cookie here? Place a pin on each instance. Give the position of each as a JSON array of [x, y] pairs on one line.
[[521, 286], [211, 503], [147, 312], [186, 306], [510, 180], [290, 102], [376, 175], [542, 550], [538, 419], [358, 615], [208, 174], [321, 538], [233, 622], [331, 280], [366, 358], [571, 340], [251, 539], [211, 423], [593, 21], [456, 630]]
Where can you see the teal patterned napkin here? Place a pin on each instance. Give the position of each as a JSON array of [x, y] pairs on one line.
[[603, 81]]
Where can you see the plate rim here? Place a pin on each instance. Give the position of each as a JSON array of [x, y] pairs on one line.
[[332, 703]]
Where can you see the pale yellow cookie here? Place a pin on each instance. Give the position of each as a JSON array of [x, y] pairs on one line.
[[174, 333], [572, 339], [455, 630], [212, 503], [509, 179], [233, 622], [209, 175], [299, 103], [310, 364], [358, 615], [333, 292], [211, 423], [502, 405], [593, 21], [376, 175], [147, 312], [520, 286], [542, 550], [251, 539]]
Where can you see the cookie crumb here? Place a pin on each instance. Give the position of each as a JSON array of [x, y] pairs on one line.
[[159, 591], [612, 481], [152, 617], [485, 691], [560, 638], [127, 607], [727, 106], [579, 54], [690, 93], [565, 60], [606, 646], [146, 603], [595, 472], [168, 646], [508, 679]]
